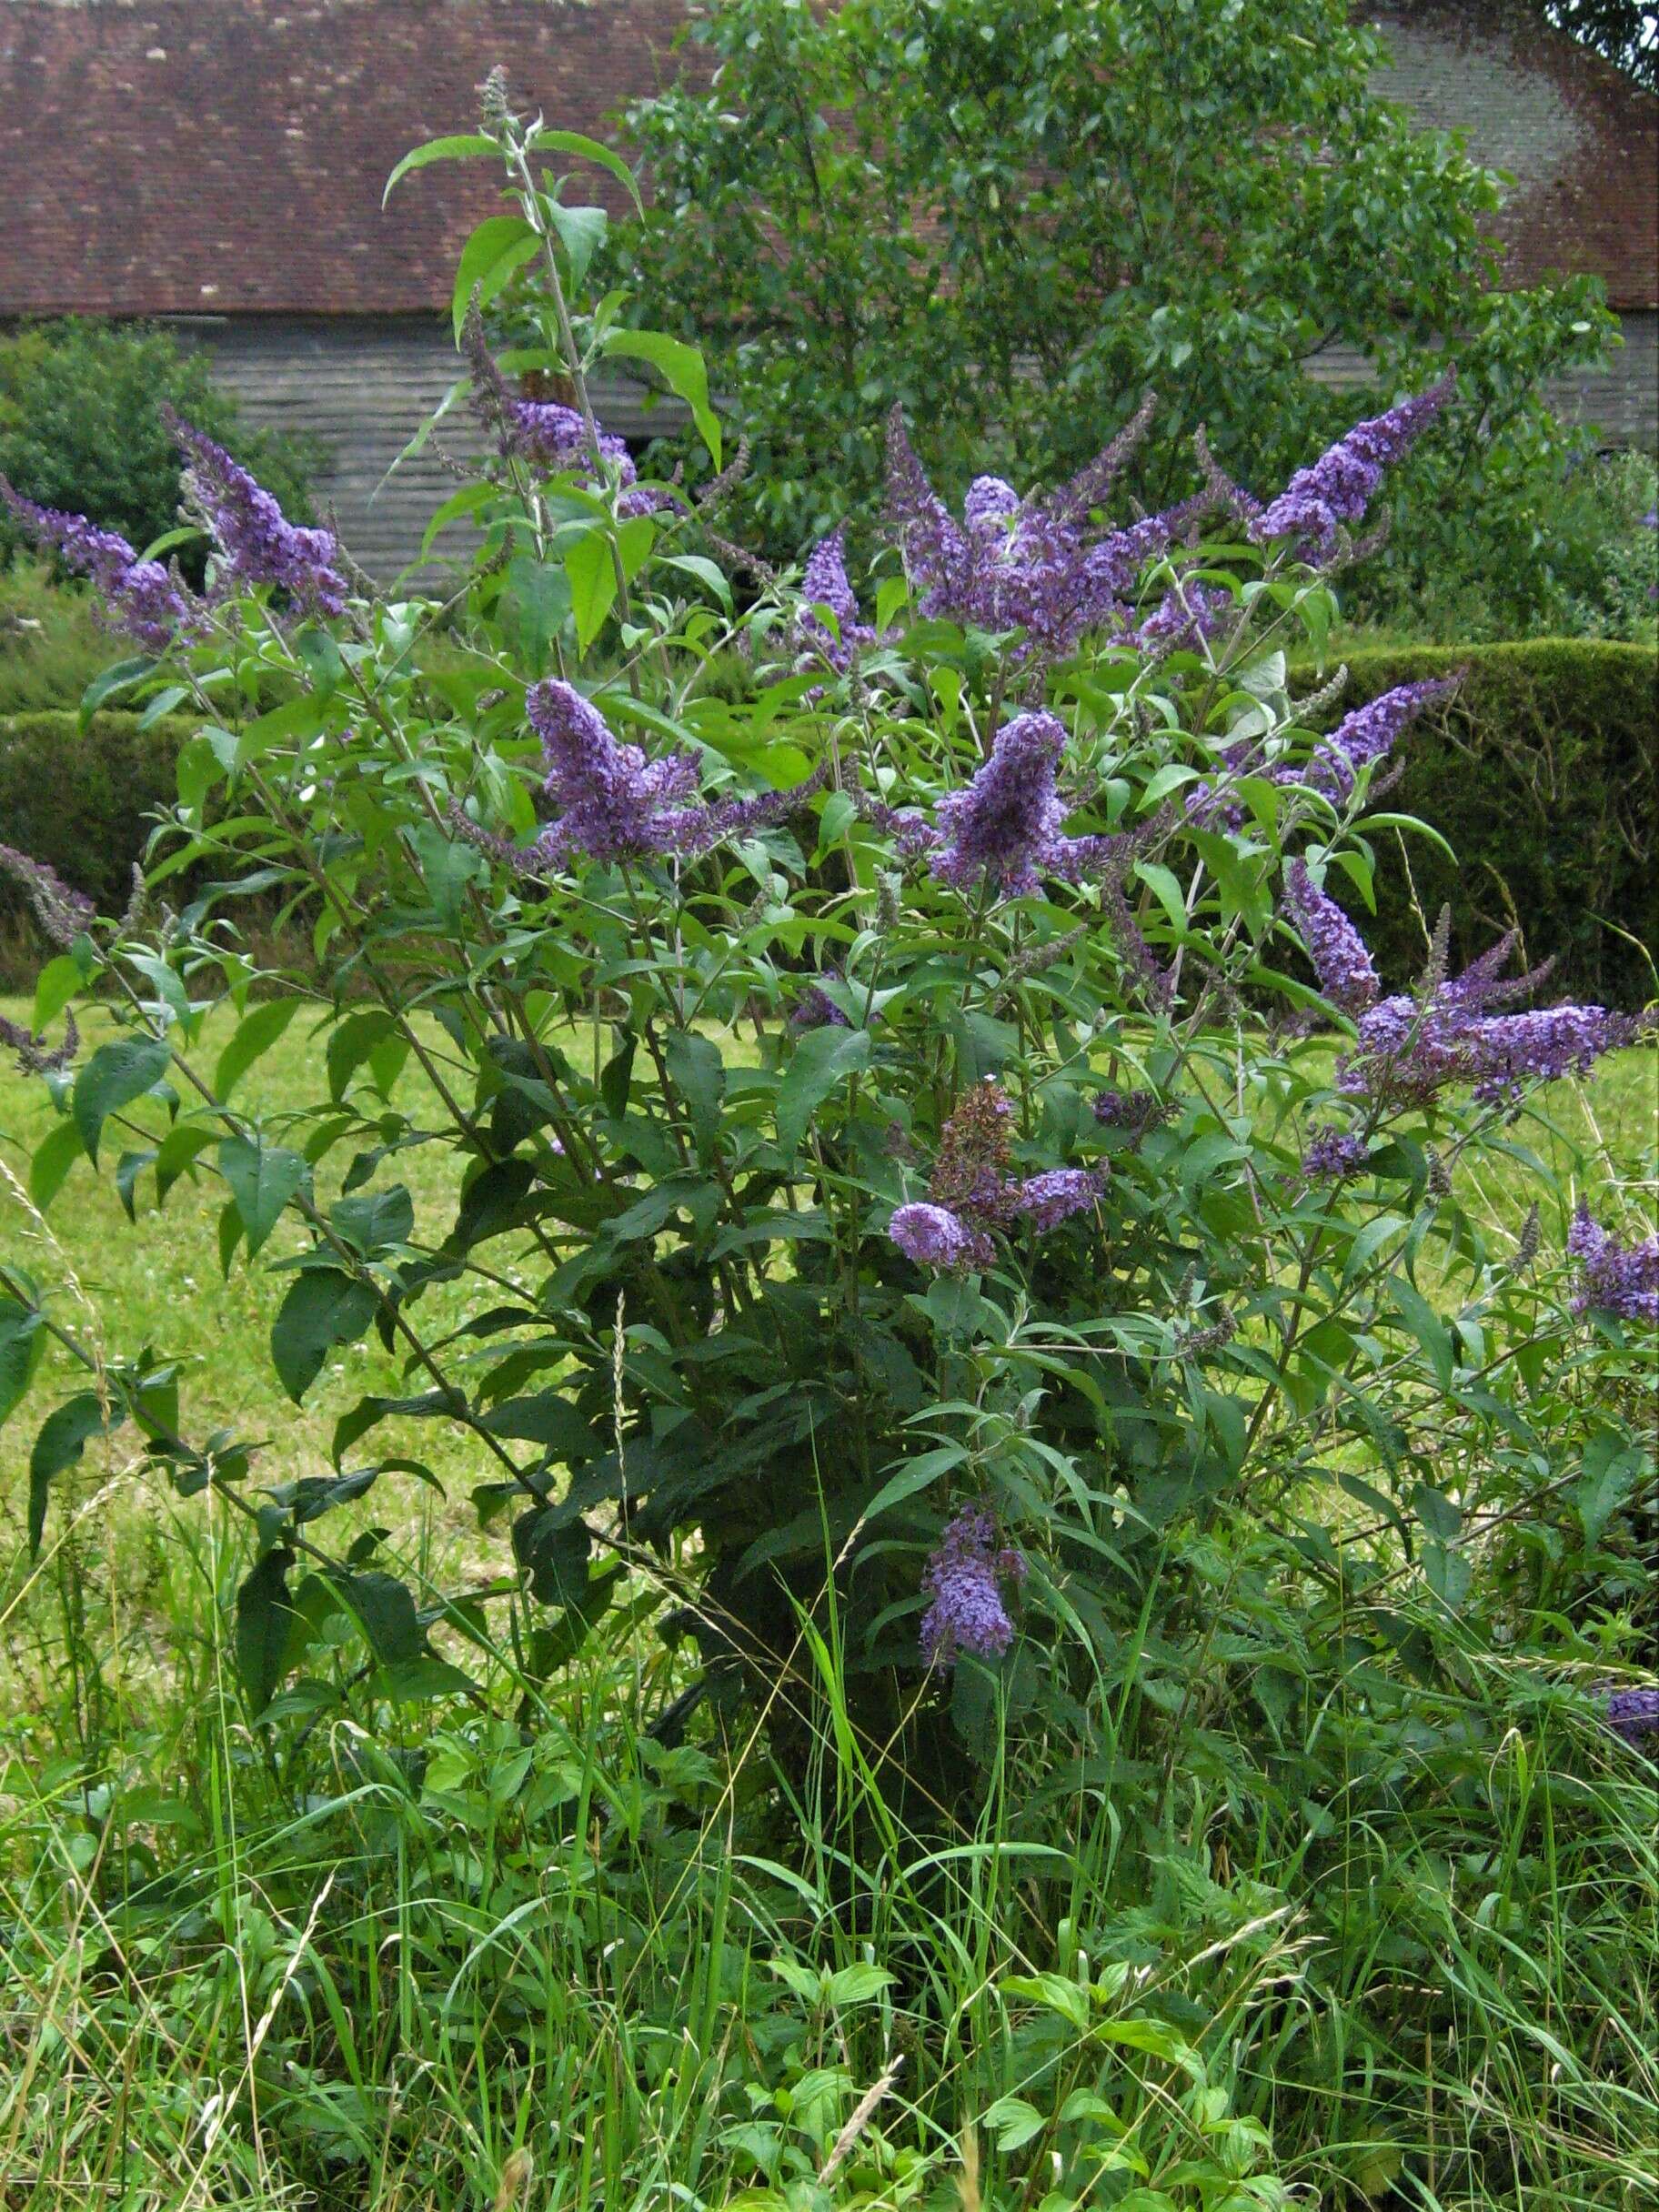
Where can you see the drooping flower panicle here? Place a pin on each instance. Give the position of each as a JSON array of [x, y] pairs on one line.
[[1613, 1277], [141, 597], [966, 1577], [1335, 491], [1003, 826], [257, 543], [1344, 969]]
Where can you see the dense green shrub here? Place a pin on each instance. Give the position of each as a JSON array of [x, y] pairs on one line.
[[941, 207], [81, 428], [83, 801], [1540, 774]]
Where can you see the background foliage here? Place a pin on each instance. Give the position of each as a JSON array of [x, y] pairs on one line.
[[1015, 221], [79, 429]]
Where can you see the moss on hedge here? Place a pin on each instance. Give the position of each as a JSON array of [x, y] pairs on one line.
[[1541, 774]]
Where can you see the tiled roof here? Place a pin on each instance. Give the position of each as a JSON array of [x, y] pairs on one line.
[[228, 156]]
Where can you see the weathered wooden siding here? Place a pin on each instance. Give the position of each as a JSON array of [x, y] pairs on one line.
[[361, 387]]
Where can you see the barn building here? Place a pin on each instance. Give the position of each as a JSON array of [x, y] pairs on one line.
[[218, 164]]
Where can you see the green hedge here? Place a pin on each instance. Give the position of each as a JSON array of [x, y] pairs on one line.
[[78, 800], [1541, 773]]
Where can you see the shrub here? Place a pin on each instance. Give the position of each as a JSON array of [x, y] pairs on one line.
[[1541, 774], [80, 427], [1079, 1433]]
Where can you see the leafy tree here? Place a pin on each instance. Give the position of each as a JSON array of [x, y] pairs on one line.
[[1624, 35], [1013, 220], [81, 426]]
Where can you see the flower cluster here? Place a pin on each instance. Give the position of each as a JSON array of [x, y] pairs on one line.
[[1614, 1278], [616, 804], [554, 438], [1632, 1714], [973, 1191], [1337, 488], [816, 1009], [1336, 947], [257, 542], [1135, 1112], [1001, 831], [1036, 564], [63, 913], [1366, 735], [141, 597], [1185, 619], [825, 584], [1333, 1155], [965, 1577]]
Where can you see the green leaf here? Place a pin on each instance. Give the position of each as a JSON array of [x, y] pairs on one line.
[[590, 564], [54, 1155], [822, 1059], [581, 232], [374, 1222], [462, 147], [256, 1035], [121, 677], [22, 1342], [55, 985], [695, 1066], [681, 367], [269, 1632], [114, 1077], [500, 244], [62, 1438], [536, 602], [262, 1179], [323, 1308], [1425, 1325], [588, 149], [351, 1043]]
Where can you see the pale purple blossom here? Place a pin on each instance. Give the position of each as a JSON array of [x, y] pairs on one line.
[[825, 584], [1185, 619], [1004, 825], [64, 913], [554, 438], [256, 541], [141, 597], [1333, 1155], [1037, 564], [1631, 1713], [1054, 1196], [1613, 1277], [933, 1236], [1335, 490], [1366, 735], [966, 1576], [1340, 961]]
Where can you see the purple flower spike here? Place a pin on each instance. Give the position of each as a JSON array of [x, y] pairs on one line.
[[1340, 961], [140, 596], [1367, 736], [63, 913], [965, 1576], [1005, 824], [1048, 1199], [1333, 1156], [554, 438], [1338, 488], [1632, 1714], [825, 584], [258, 543], [616, 804], [1034, 564], [1614, 1278], [932, 1236]]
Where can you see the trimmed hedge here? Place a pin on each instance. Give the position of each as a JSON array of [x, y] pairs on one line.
[[84, 803], [1541, 773]]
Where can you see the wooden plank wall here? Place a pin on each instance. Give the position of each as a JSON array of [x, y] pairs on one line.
[[360, 387]]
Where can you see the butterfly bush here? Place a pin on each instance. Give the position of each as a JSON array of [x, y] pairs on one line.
[[912, 1122]]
